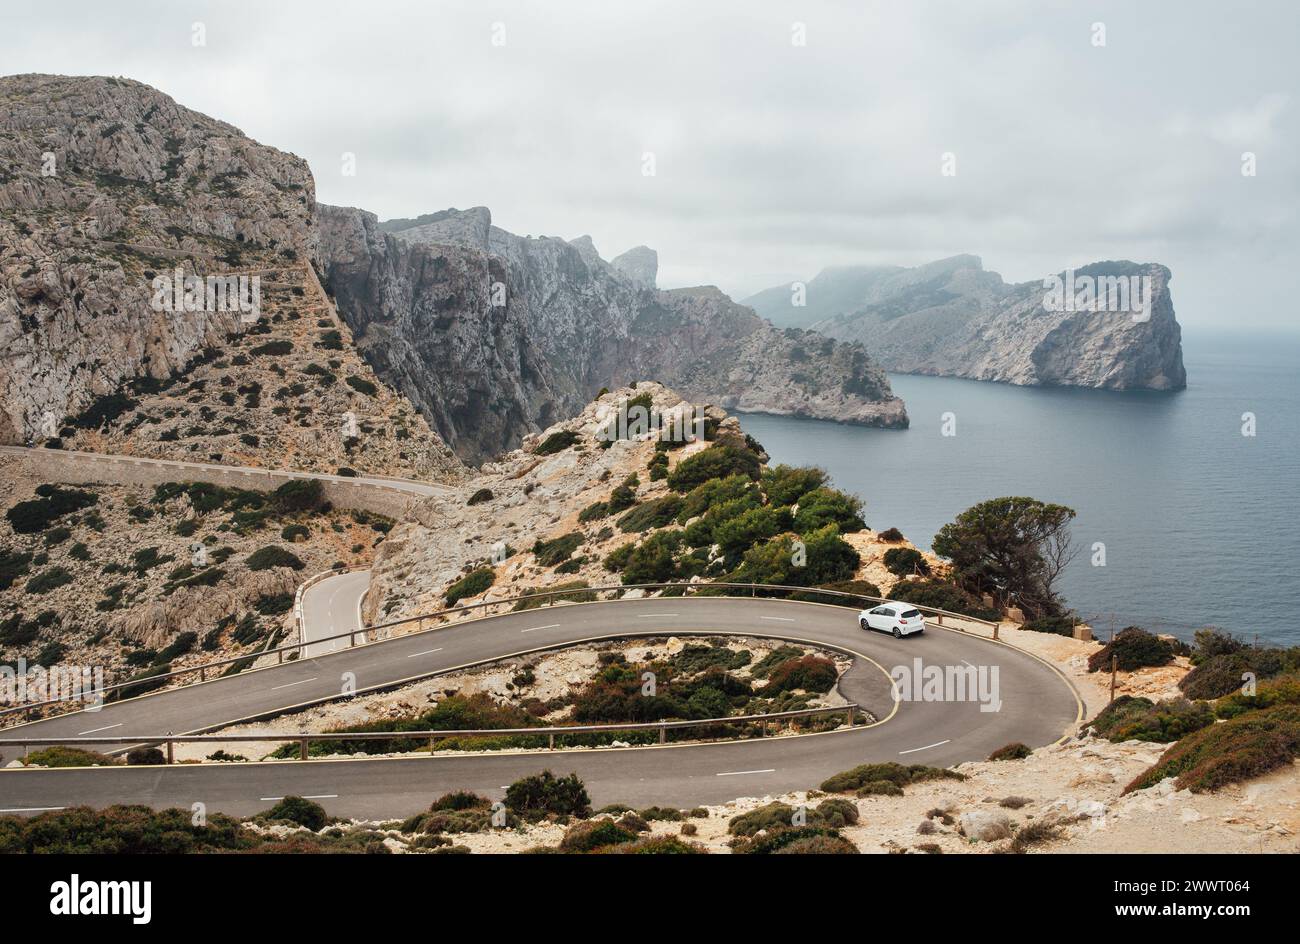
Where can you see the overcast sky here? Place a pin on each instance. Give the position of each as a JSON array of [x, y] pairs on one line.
[[772, 159]]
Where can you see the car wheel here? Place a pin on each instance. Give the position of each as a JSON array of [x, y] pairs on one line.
[[897, 633], [863, 624]]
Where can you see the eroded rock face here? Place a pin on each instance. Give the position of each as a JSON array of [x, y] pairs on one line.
[[105, 183], [499, 338], [953, 318]]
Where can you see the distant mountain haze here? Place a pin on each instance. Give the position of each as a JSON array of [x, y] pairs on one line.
[[1111, 325]]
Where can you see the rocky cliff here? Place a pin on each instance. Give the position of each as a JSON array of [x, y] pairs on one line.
[[954, 318], [494, 335], [106, 185]]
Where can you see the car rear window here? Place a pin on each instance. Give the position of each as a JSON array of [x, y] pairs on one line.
[[908, 614]]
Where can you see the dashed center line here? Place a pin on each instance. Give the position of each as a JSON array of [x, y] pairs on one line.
[[536, 628], [424, 653], [738, 773], [926, 748], [105, 728], [315, 796], [780, 619], [292, 684], [656, 616]]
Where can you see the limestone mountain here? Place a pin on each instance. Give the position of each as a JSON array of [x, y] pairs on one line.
[[954, 318], [494, 335], [107, 185]]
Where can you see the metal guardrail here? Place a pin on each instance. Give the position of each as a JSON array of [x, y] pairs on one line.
[[304, 740], [295, 649]]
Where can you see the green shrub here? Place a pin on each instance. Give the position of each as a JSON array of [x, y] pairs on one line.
[[889, 772], [537, 795], [1233, 751], [655, 845], [1139, 719], [655, 513], [1223, 673], [905, 561], [557, 442], [594, 512], [1134, 648], [273, 556], [273, 348], [361, 385], [145, 757], [827, 506], [1210, 642], [63, 756], [786, 485], [33, 517], [891, 535], [297, 810], [594, 834], [1013, 751], [13, 564], [1060, 625], [183, 643], [292, 532], [298, 495], [557, 550], [480, 496], [716, 462], [49, 579], [860, 589], [57, 536], [809, 673], [471, 585]]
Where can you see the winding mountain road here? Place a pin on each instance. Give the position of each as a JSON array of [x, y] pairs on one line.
[[1037, 707]]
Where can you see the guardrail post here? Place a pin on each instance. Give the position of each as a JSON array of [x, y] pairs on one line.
[[352, 640], [852, 715], [279, 656], [171, 750], [938, 618], [996, 627], [663, 734], [550, 741], [302, 749], [203, 673], [432, 742]]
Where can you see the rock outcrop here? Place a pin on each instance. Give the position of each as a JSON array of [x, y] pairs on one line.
[[494, 335], [953, 318], [109, 184], [104, 184]]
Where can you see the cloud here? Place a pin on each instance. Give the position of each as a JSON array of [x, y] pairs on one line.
[[773, 160]]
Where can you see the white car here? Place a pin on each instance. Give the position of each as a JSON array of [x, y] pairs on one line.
[[901, 619]]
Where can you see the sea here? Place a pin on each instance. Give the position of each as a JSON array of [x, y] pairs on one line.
[[1187, 502]]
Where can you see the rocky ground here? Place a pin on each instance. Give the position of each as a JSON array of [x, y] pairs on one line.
[[289, 392], [129, 574]]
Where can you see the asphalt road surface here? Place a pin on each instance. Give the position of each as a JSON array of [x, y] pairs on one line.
[[332, 607], [1037, 706]]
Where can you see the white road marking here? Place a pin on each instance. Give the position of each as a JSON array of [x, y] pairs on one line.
[[33, 809], [292, 684], [425, 653], [782, 619], [971, 664], [317, 796], [105, 728], [657, 616], [738, 773], [926, 748], [536, 628]]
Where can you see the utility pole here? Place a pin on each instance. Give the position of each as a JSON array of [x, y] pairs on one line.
[[1114, 668]]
